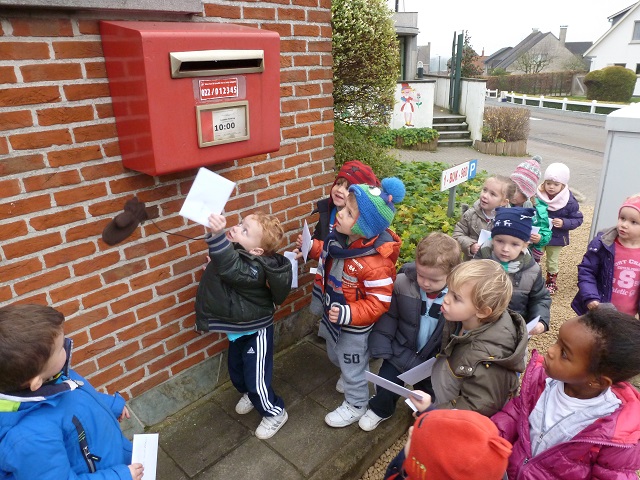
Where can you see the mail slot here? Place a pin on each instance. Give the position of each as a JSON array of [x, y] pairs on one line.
[[187, 95]]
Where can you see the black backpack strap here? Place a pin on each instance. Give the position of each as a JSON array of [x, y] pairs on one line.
[[89, 457]]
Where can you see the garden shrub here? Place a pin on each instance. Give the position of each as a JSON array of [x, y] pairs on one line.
[[353, 142], [610, 84], [366, 62], [505, 124], [387, 137], [424, 208]]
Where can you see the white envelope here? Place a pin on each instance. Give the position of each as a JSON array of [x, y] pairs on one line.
[[209, 194], [294, 268], [306, 241], [484, 236], [145, 451]]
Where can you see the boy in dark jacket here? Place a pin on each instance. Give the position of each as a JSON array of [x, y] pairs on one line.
[[238, 293], [411, 331], [53, 423], [509, 241]]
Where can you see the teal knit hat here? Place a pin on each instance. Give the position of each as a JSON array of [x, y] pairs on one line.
[[375, 205]]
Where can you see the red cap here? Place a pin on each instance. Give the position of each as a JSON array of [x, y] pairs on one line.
[[355, 172], [456, 445]]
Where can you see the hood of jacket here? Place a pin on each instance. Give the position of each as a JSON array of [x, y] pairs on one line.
[[277, 269], [496, 337]]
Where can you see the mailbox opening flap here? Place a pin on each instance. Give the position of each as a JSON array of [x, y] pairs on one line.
[[207, 63]]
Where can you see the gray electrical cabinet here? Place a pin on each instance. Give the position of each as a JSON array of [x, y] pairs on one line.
[[620, 176]]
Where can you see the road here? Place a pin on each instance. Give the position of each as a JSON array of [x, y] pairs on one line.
[[575, 139]]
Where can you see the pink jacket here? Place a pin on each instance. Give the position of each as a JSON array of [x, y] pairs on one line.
[[607, 449]]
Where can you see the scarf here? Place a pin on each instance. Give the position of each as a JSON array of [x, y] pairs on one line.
[[557, 202], [328, 291]]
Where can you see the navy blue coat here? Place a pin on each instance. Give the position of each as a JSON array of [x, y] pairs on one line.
[[595, 272], [572, 219]]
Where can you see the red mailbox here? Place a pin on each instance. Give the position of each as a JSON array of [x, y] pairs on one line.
[[187, 95]]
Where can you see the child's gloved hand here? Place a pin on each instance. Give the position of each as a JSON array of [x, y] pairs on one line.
[[217, 223], [136, 470]]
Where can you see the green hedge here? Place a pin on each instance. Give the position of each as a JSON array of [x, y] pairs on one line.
[[424, 208]]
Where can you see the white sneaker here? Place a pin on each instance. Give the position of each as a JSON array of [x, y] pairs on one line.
[[340, 385], [369, 421], [244, 405], [269, 426], [344, 415]]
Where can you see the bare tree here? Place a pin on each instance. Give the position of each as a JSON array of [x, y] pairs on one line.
[[534, 61]]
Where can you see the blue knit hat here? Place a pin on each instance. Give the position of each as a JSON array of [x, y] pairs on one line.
[[514, 221], [375, 205]]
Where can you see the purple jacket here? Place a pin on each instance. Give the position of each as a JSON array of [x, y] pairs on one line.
[[595, 272], [607, 449], [572, 219]]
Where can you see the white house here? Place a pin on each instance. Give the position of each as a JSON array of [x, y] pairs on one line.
[[620, 45]]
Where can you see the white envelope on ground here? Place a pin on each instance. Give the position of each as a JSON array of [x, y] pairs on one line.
[[209, 194]]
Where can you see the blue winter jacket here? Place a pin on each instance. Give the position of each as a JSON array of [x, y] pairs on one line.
[[595, 272], [39, 440], [571, 217]]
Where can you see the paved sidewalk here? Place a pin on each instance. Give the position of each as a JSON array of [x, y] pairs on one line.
[[208, 440]]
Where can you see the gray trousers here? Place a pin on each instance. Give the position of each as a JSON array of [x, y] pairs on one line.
[[351, 355]]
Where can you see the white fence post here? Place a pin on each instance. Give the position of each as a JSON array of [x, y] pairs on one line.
[[593, 106], [541, 102], [564, 103], [513, 97]]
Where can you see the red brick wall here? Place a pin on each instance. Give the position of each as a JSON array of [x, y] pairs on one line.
[[129, 308]]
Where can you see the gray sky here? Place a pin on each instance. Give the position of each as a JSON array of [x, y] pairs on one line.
[[494, 24]]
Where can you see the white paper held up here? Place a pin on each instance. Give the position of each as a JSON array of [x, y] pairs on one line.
[[209, 194], [418, 373], [484, 236], [291, 256], [535, 230], [392, 387], [532, 324], [145, 451], [306, 241]]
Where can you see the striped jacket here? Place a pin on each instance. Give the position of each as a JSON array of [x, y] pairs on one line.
[[363, 287]]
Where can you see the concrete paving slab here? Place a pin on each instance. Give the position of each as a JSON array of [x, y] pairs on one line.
[[201, 437], [305, 366], [306, 441], [252, 460]]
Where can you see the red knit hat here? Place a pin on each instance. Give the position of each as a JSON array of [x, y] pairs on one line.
[[456, 445], [355, 172]]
